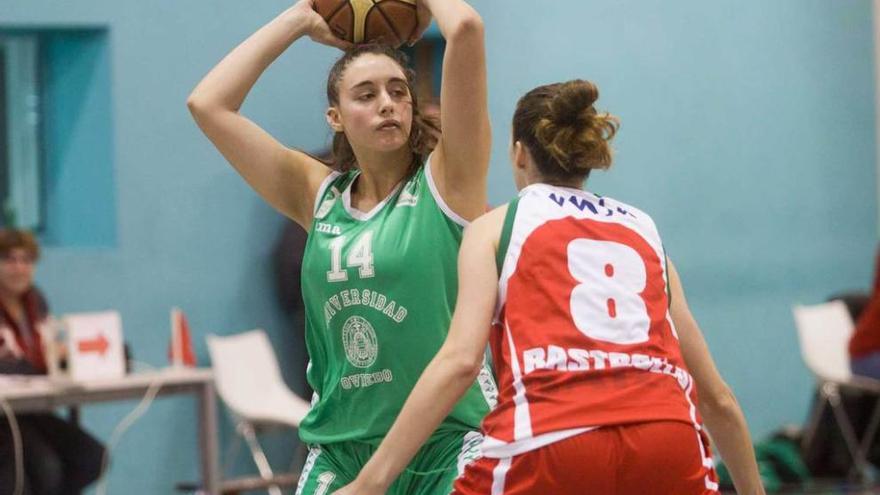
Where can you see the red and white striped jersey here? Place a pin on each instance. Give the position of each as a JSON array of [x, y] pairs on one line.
[[582, 335]]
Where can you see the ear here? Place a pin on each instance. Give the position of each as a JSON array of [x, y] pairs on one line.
[[520, 156], [334, 119]]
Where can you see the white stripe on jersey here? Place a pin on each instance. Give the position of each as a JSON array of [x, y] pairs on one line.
[[708, 462], [499, 475], [365, 215], [314, 452], [470, 450], [486, 382], [494, 448], [522, 420], [455, 217]]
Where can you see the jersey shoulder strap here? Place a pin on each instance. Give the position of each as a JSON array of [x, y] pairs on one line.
[[506, 231]]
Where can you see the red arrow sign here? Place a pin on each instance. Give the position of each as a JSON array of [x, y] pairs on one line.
[[98, 344]]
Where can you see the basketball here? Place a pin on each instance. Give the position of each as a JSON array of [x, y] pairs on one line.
[[385, 21]]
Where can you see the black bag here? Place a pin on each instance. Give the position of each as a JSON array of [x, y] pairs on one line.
[[15, 366]]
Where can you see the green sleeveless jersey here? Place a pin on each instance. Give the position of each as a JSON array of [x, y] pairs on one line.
[[379, 288]]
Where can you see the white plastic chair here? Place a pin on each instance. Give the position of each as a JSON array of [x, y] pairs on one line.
[[824, 331], [249, 382]]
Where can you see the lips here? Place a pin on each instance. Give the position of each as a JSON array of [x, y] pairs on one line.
[[388, 125]]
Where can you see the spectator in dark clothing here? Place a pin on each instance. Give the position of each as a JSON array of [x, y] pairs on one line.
[[59, 457]]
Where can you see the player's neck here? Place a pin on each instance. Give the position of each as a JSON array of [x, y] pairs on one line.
[[380, 174], [571, 184]]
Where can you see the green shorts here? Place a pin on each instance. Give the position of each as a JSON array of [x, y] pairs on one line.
[[432, 471]]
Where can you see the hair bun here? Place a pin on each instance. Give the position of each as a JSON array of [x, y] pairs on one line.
[[562, 130], [573, 105], [569, 131]]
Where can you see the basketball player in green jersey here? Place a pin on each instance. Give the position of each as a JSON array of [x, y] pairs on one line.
[[385, 223]]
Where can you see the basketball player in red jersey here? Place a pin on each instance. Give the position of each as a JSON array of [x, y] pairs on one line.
[[598, 359]]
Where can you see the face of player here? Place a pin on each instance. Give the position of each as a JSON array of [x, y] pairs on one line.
[[375, 104], [16, 272]]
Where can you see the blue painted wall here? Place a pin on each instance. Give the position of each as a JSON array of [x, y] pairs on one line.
[[748, 133], [189, 232], [80, 199]]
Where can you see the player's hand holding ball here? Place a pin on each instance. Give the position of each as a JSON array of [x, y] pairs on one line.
[[316, 28], [424, 21], [392, 22]]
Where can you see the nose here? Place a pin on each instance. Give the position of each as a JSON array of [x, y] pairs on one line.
[[386, 104]]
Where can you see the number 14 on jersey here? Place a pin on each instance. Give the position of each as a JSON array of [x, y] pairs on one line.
[[360, 255]]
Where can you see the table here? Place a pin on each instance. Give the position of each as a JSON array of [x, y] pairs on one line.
[[40, 393]]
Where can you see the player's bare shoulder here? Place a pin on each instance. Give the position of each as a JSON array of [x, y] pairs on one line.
[[300, 184], [487, 227]]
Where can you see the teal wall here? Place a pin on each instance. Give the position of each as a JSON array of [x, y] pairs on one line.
[[748, 133], [79, 191], [188, 231]]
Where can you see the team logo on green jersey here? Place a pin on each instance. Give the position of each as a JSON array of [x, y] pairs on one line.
[[359, 339], [327, 204], [410, 195]]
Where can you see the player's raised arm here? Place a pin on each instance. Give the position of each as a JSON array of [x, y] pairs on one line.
[[287, 179], [461, 161]]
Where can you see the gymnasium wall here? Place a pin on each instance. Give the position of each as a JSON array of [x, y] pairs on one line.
[[189, 232], [748, 132]]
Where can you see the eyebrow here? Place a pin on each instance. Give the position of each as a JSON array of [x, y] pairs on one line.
[[393, 80]]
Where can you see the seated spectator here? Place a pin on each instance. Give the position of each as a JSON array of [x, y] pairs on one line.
[[864, 346], [59, 457]]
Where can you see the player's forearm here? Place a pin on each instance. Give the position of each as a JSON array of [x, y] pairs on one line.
[[228, 83], [455, 18], [440, 387], [727, 426]]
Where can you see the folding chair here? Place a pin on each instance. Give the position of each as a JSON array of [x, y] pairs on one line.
[[249, 382], [824, 331]]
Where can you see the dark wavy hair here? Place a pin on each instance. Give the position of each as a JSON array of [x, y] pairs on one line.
[[424, 131]]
